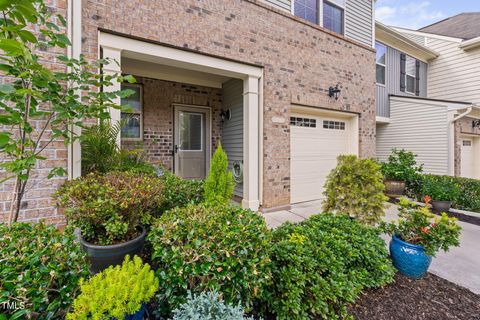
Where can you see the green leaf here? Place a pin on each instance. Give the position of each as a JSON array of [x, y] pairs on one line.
[[130, 79], [7, 88], [27, 36], [11, 47], [4, 139]]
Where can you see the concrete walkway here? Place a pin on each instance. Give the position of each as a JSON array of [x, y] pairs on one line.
[[460, 265]]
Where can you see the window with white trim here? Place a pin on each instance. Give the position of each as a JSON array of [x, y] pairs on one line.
[[334, 125], [133, 118], [410, 74], [303, 122], [328, 13], [380, 62]]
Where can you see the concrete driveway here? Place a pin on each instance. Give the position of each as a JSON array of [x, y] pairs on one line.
[[460, 265]]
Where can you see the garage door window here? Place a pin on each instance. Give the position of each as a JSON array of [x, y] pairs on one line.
[[334, 125], [303, 122]]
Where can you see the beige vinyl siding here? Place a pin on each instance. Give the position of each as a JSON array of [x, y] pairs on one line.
[[281, 4], [455, 74], [358, 21], [232, 130], [417, 126]]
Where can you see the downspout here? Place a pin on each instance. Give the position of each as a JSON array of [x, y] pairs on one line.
[[451, 140]]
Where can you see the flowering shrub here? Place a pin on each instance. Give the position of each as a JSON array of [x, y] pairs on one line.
[[110, 208], [40, 268], [115, 292], [417, 225]]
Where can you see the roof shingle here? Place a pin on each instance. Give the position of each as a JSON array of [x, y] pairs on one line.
[[464, 25]]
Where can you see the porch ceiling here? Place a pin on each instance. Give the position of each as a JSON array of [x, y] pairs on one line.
[[169, 72]]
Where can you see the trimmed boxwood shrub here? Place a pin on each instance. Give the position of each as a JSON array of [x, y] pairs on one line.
[[40, 268], [466, 192], [323, 263], [178, 192], [200, 248]]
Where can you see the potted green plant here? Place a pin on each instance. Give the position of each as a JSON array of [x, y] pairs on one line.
[[111, 212], [418, 235], [119, 292], [443, 192], [400, 168]]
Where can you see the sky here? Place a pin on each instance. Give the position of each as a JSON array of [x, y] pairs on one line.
[[413, 14]]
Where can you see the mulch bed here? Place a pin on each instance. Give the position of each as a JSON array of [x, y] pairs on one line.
[[460, 216], [431, 298]]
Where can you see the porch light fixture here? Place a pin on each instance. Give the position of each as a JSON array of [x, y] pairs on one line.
[[334, 92], [226, 114], [476, 123]]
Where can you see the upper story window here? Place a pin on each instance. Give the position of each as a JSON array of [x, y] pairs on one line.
[[380, 61], [133, 126], [329, 14], [333, 17], [410, 74], [307, 9]]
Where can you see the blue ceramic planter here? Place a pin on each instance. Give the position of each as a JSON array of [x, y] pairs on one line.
[[410, 260], [138, 315]]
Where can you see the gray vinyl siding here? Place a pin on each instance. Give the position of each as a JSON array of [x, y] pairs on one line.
[[232, 130], [358, 21], [420, 127], [392, 82], [281, 4]]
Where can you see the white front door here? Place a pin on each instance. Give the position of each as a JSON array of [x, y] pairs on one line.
[[467, 161], [316, 142], [191, 142]]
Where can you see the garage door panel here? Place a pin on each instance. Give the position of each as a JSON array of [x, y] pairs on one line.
[[314, 152]]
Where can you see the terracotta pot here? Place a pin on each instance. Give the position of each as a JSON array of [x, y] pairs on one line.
[[394, 188]]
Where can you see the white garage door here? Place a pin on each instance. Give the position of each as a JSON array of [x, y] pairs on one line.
[[316, 142], [467, 167]]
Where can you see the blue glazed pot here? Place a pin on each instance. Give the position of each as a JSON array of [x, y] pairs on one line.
[[410, 259], [137, 315]]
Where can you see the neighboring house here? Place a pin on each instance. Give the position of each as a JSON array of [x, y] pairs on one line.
[[253, 74], [428, 94]]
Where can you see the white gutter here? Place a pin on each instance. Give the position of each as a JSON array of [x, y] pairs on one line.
[[470, 44]]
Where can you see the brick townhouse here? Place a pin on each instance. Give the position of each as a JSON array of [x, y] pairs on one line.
[[286, 86]]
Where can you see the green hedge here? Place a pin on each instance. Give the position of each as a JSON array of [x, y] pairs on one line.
[[40, 268], [466, 191], [322, 264]]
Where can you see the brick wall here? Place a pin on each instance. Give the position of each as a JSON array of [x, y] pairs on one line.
[[299, 59], [37, 204], [158, 98]]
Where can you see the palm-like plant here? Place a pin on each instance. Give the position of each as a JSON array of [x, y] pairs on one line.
[[100, 151]]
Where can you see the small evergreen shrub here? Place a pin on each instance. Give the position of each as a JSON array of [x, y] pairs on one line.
[[219, 184], [463, 192], [115, 292], [401, 166], [201, 247], [355, 187], [178, 192], [110, 208], [322, 264], [40, 268], [208, 306]]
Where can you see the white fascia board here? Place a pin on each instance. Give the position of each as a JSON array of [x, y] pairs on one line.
[[470, 44], [156, 53], [428, 35]]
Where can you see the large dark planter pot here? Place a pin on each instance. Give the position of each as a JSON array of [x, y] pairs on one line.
[[101, 257], [409, 259], [441, 206], [394, 188], [138, 315]]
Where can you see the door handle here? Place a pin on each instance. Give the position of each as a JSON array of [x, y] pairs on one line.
[[176, 148]]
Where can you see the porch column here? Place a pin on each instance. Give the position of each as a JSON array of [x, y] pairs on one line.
[[114, 67], [251, 143]]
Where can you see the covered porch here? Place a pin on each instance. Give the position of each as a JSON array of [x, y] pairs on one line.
[[185, 104]]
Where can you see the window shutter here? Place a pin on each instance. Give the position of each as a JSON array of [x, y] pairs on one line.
[[403, 62], [417, 78]]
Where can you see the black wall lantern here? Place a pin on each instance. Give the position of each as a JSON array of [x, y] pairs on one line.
[[334, 92], [226, 114], [476, 123]]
